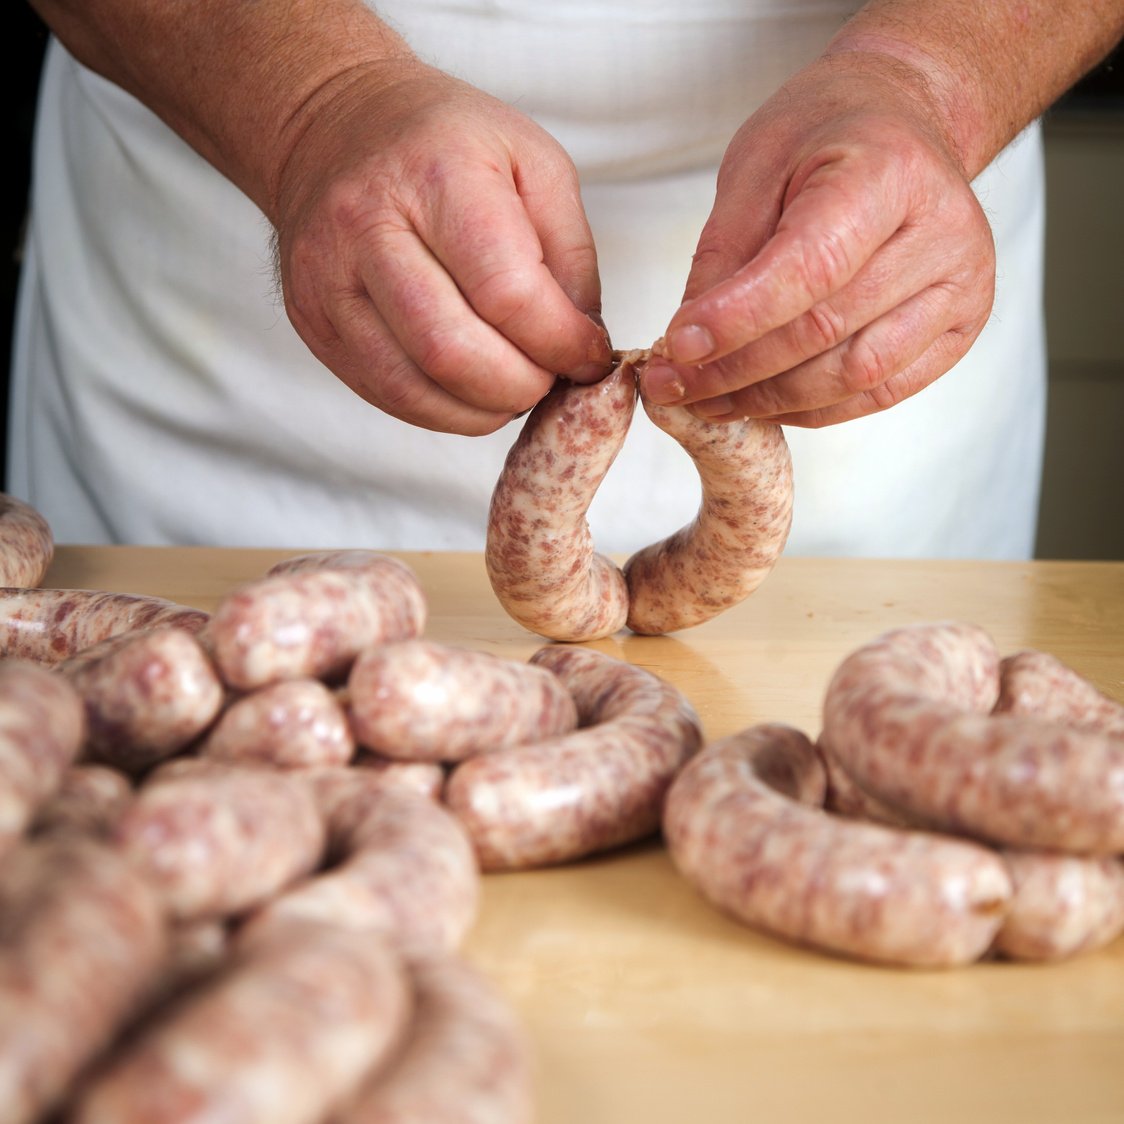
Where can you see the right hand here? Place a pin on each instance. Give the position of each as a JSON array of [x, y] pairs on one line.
[[434, 252]]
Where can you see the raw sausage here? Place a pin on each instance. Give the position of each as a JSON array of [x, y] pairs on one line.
[[539, 553], [50, 625], [741, 528], [292, 724], [42, 726], [312, 616], [89, 801], [26, 543], [426, 778], [82, 938], [398, 864], [1063, 905], [465, 1060], [147, 696], [1039, 684], [282, 1035], [908, 716], [422, 701], [598, 787], [217, 839], [744, 826]]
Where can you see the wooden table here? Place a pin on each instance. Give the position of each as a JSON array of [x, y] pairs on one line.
[[643, 1003]]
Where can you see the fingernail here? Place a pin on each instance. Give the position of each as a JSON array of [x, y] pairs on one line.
[[661, 384], [713, 407], [689, 344]]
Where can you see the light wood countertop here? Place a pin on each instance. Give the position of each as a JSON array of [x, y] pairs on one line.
[[646, 1005]]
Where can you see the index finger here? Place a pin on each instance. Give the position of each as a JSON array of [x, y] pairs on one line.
[[825, 234]]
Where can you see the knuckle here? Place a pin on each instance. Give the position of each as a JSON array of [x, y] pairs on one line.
[[821, 328], [825, 263], [504, 296], [865, 367]]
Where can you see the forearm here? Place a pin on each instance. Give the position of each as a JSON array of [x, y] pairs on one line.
[[236, 79], [986, 69]]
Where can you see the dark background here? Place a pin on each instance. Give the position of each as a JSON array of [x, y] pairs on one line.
[[25, 42]]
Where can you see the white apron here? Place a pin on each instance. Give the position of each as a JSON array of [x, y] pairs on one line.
[[160, 395]]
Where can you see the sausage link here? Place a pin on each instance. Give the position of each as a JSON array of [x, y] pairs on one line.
[[426, 778], [82, 938], [282, 1035], [745, 829], [908, 716], [1063, 905], [421, 701], [741, 528], [26, 543], [89, 800], [398, 863], [466, 1058], [312, 616], [217, 839], [538, 552], [1039, 684], [42, 727], [291, 724], [596, 788], [51, 625], [148, 696]]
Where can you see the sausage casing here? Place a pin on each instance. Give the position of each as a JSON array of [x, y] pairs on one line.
[[281, 1035], [217, 839], [599, 787], [42, 727], [732, 545], [82, 937], [909, 717], [422, 701], [539, 553], [312, 616], [745, 829]]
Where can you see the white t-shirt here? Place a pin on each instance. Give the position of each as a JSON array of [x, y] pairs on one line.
[[161, 396]]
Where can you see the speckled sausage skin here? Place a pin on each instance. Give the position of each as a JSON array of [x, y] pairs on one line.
[[89, 801], [1040, 684], [42, 727], [466, 1059], [399, 864], [26, 543], [597, 788], [1064, 905], [908, 717], [217, 839], [281, 1036], [741, 528], [293, 724], [426, 778], [747, 832], [82, 938], [312, 616], [421, 701], [147, 697], [539, 553], [50, 625]]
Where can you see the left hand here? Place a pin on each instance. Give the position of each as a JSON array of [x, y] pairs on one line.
[[846, 263]]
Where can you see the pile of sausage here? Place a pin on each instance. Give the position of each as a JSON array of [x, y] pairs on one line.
[[239, 852], [539, 552], [957, 805]]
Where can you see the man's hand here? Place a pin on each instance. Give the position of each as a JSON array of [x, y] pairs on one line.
[[846, 263], [434, 251]]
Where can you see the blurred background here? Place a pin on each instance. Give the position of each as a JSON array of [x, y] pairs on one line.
[[1082, 511]]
